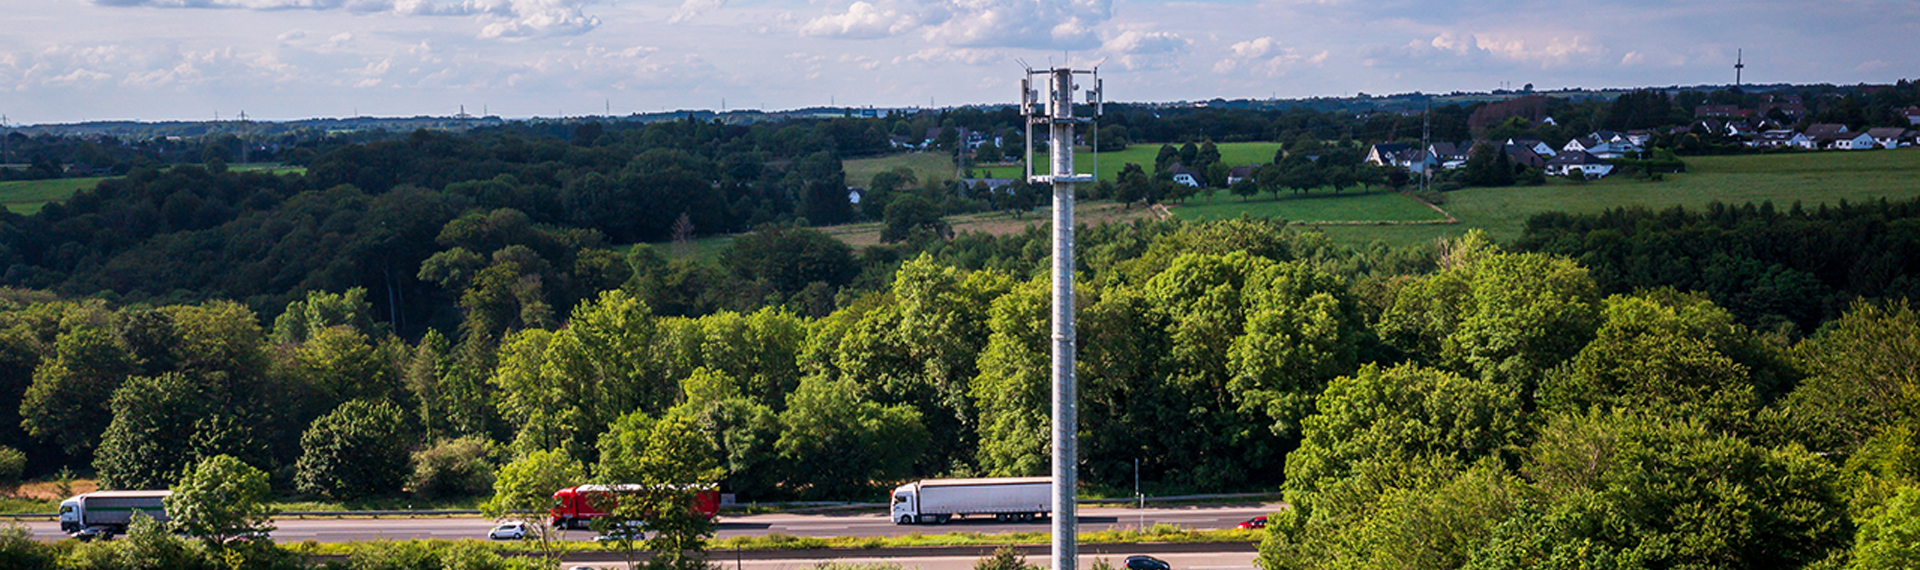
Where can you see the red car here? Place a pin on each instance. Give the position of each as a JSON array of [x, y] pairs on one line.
[[1255, 522]]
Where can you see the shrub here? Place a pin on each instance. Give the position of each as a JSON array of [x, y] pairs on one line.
[[456, 468]]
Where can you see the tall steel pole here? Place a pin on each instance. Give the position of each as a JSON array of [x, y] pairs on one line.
[[1066, 416], [1059, 118]]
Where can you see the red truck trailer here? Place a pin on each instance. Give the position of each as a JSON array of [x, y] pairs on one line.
[[574, 507]]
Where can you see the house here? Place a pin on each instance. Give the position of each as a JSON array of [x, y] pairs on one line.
[[1912, 114], [1850, 141], [1781, 138], [1585, 163], [1520, 154], [1238, 173], [1536, 145], [1890, 137], [1187, 176], [1383, 154], [1603, 144], [1449, 155], [1721, 111], [1820, 131]]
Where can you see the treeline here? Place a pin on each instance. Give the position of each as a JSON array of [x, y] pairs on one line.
[[1538, 423], [820, 407], [1795, 267], [1500, 404]]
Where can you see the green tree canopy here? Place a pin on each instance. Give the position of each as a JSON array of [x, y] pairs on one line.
[[219, 499], [360, 448]]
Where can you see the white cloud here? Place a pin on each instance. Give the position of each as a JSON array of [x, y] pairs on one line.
[[861, 21], [1265, 56], [508, 19], [1043, 24], [968, 56], [1135, 49], [690, 9]]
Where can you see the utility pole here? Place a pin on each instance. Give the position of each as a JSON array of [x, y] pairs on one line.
[[1057, 114]]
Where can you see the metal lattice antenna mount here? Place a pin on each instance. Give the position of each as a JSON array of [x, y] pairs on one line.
[[1056, 112]]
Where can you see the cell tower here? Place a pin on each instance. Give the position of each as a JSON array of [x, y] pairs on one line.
[[1056, 112], [1739, 63]]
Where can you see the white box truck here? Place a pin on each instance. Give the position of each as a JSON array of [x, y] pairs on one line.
[[107, 513], [1006, 498]]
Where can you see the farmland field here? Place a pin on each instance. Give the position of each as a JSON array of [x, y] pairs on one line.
[[1379, 205], [925, 165], [25, 197], [1110, 163], [1811, 179]]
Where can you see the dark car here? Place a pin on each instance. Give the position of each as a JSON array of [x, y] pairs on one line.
[[1255, 522], [1144, 562]]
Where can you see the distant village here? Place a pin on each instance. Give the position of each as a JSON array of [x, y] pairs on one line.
[[1768, 126]]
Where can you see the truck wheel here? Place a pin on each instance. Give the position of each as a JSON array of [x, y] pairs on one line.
[[944, 518], [905, 519]]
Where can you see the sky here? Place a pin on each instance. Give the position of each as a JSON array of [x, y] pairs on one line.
[[65, 61]]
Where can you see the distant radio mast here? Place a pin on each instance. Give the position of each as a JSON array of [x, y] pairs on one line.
[[1739, 63]]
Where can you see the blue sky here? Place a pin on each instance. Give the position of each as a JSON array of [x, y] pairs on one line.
[[83, 60]]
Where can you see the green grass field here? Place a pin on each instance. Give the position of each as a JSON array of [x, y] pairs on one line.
[[25, 197], [925, 165], [1811, 179], [1378, 205], [1110, 163]]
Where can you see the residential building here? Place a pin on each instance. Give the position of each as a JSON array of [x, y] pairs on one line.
[[1890, 137], [1781, 138], [1238, 173], [1578, 161], [1187, 176]]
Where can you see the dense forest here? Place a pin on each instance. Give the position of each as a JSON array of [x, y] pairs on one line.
[[431, 314]]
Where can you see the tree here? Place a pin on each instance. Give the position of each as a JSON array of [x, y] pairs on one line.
[[523, 491], [357, 449], [1671, 494], [454, 468], [846, 441], [67, 402], [1498, 315], [219, 499], [1891, 538], [13, 464], [912, 216], [1244, 188], [1386, 444], [1133, 185], [1208, 156], [657, 467], [151, 437], [1302, 329], [1165, 158], [1860, 375], [1669, 354], [987, 152], [1012, 390]]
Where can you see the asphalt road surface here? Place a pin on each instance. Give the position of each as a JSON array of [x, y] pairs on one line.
[[869, 523]]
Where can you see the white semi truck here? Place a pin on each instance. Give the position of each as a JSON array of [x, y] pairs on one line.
[[1006, 498], [107, 513]]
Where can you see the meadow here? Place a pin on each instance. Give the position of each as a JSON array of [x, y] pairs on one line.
[[1110, 163], [26, 197], [1808, 178]]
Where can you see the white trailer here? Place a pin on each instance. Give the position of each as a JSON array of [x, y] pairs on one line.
[[109, 512], [1006, 498]]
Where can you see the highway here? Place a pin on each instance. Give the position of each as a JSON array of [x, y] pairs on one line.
[[870, 523]]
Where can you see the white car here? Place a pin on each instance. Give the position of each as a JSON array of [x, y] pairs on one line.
[[508, 531]]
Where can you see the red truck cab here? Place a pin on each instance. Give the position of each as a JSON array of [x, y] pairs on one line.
[[574, 507]]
